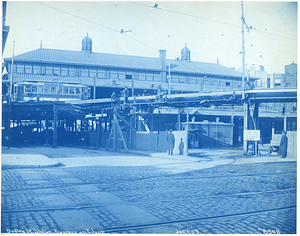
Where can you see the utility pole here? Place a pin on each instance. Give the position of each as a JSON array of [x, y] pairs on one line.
[[245, 144], [11, 72], [10, 98], [169, 79], [94, 94]]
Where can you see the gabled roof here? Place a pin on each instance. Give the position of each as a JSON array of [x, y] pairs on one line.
[[54, 56]]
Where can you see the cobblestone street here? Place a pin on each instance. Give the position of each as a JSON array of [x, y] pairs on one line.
[[245, 198]]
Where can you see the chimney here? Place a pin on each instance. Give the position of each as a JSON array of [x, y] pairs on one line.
[[162, 65], [261, 68]]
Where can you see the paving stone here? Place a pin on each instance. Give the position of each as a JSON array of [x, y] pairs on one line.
[[154, 197]]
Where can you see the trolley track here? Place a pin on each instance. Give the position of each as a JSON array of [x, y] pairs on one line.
[[146, 178], [125, 228], [140, 202]]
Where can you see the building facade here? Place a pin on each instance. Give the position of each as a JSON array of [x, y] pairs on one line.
[[108, 73]]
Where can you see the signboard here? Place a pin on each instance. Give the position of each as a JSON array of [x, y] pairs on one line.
[[252, 135]]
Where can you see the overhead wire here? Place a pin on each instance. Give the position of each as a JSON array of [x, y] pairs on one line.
[[264, 32], [273, 13], [185, 14], [104, 27], [142, 19], [79, 17], [147, 45]]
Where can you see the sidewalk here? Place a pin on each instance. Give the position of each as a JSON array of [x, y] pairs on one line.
[[38, 157]]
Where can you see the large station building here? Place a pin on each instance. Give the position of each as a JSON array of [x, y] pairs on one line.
[[108, 74]]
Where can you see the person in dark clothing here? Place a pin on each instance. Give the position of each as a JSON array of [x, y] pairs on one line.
[[283, 145], [181, 147], [171, 141]]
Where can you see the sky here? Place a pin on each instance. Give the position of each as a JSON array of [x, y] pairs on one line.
[[212, 30]]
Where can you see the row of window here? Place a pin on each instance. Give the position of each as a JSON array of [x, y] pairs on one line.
[[49, 89], [97, 73]]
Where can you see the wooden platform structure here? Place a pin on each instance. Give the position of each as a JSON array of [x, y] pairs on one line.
[[110, 111]]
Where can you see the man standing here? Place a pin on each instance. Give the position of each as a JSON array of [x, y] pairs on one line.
[[171, 142], [283, 145]]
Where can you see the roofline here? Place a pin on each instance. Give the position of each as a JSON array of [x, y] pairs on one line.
[[127, 68]]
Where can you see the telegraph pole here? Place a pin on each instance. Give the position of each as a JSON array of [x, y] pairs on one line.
[[245, 144], [10, 97]]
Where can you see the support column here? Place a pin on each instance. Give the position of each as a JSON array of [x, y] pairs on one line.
[[54, 142], [98, 125], [255, 121], [245, 146], [284, 123], [232, 114], [47, 132], [178, 120]]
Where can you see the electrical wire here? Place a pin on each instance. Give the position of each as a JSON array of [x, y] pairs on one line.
[[142, 19], [185, 14], [77, 17], [273, 13]]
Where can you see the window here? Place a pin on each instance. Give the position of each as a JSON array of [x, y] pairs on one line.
[[72, 71], [277, 85], [206, 81], [64, 71], [34, 89], [268, 83], [40, 89], [84, 72], [141, 76], [77, 90], [53, 90], [182, 79], [227, 84], [101, 73], [174, 79], [222, 83], [20, 68], [156, 77], [28, 69], [199, 80], [128, 76], [238, 84], [149, 77], [43, 71], [193, 80], [121, 75], [49, 70], [65, 90], [216, 82], [47, 89], [72, 90], [56, 70], [36, 70], [93, 73], [113, 74], [27, 88]]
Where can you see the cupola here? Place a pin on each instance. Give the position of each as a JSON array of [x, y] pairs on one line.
[[185, 54], [86, 44]]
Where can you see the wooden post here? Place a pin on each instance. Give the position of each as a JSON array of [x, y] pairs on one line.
[[47, 132], [178, 119], [54, 142], [98, 128], [232, 114], [255, 119]]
